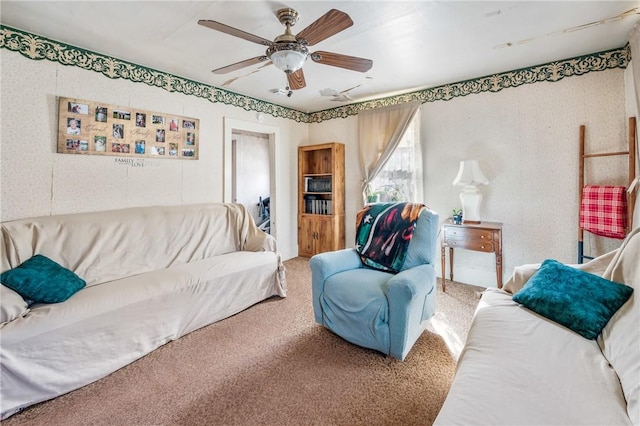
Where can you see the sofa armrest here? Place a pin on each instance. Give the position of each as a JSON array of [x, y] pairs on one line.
[[258, 240], [520, 276], [406, 294], [324, 265]]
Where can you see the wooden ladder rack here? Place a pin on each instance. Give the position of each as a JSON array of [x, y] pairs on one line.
[[631, 197]]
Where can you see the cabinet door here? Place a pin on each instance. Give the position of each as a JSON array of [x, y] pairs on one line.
[[325, 234], [306, 236]]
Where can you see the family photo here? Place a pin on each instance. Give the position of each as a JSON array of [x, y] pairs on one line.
[[160, 135], [100, 143], [140, 147], [157, 150], [118, 131], [94, 127], [141, 119], [120, 147], [73, 126], [78, 108], [122, 115], [101, 114]]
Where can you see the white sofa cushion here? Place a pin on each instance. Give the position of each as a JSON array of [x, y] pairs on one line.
[[620, 339], [520, 368], [63, 346]]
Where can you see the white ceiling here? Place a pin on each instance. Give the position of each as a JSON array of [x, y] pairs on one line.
[[413, 44]]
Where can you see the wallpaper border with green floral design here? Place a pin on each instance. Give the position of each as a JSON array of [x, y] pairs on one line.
[[37, 47], [550, 72]]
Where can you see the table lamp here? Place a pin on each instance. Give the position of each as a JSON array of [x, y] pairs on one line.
[[470, 176]]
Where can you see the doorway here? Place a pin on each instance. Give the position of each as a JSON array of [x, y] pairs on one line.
[[249, 164], [251, 175]]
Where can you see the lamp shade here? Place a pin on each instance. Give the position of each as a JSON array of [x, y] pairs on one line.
[[470, 176], [469, 173]]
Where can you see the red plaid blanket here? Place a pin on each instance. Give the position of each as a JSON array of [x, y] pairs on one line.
[[604, 210]]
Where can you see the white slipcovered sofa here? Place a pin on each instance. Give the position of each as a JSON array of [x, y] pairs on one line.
[[520, 368], [153, 274]]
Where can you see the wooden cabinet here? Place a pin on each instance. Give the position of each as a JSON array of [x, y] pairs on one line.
[[471, 239], [319, 234], [321, 224]]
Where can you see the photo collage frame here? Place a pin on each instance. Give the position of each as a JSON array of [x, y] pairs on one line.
[[96, 128]]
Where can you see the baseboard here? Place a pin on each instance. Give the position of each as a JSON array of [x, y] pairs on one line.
[[474, 276]]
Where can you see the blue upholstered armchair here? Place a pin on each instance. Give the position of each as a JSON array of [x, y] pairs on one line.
[[384, 311]]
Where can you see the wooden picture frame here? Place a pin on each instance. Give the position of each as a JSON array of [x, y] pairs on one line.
[[96, 128]]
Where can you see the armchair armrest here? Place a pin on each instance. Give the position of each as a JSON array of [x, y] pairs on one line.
[[324, 265], [406, 294]]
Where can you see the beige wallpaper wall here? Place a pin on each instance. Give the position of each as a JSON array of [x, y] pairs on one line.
[[35, 180], [526, 141]]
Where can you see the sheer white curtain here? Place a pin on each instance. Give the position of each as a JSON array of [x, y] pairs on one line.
[[400, 179], [634, 44], [380, 131]]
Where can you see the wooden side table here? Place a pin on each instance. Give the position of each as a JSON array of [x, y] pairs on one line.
[[484, 236]]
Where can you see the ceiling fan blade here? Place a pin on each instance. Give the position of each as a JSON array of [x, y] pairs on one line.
[[329, 24], [296, 80], [343, 61], [234, 32], [241, 64]]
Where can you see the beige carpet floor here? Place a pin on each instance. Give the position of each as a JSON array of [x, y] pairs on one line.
[[273, 365]]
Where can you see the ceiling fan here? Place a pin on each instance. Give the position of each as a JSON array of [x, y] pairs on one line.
[[288, 52]]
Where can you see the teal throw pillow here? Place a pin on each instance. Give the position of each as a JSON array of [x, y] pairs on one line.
[[42, 280], [578, 300]]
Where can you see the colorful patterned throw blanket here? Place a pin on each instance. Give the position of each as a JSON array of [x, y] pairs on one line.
[[384, 232]]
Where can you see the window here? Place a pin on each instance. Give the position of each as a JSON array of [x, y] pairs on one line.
[[401, 177]]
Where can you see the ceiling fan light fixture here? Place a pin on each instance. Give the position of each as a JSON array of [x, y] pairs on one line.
[[288, 57], [288, 52]]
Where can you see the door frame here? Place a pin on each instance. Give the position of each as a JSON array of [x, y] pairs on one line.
[[231, 124]]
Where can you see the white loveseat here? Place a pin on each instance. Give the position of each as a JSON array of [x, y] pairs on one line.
[[519, 368], [152, 275]]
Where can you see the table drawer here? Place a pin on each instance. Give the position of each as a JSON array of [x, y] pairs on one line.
[[469, 234], [478, 245]]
